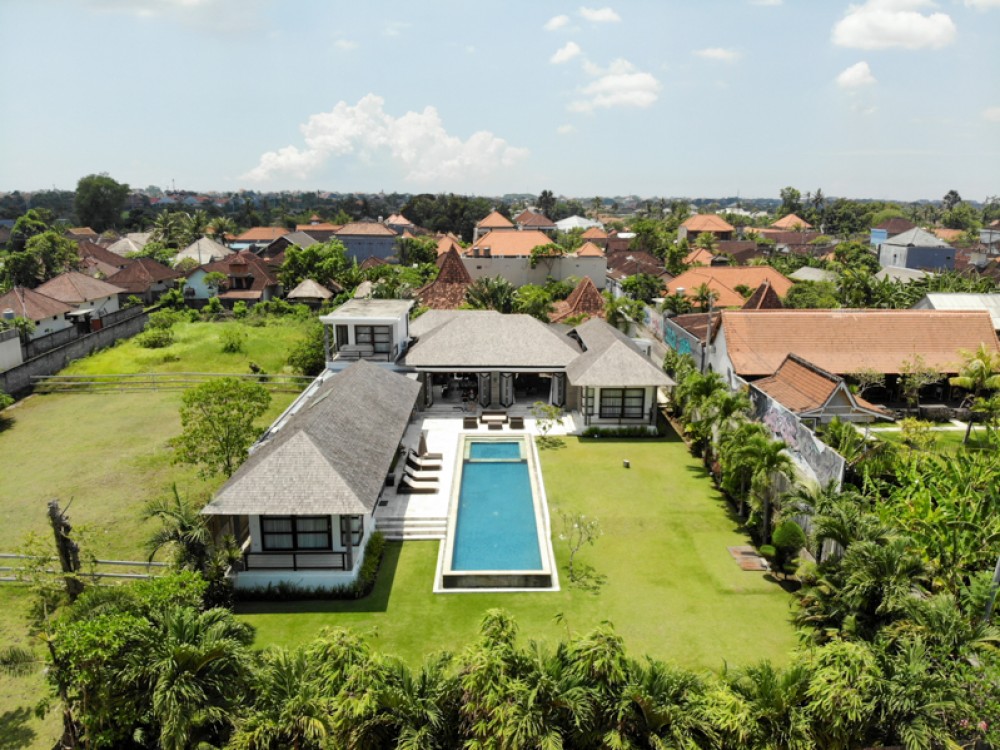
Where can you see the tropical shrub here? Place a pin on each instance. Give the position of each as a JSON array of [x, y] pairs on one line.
[[233, 340], [155, 338]]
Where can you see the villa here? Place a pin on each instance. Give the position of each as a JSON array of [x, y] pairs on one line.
[[409, 421]]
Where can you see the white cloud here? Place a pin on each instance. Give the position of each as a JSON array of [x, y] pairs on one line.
[[345, 44], [600, 15], [417, 142], [992, 114], [565, 129], [882, 24], [982, 4], [556, 22], [565, 53], [620, 85], [718, 53], [856, 76]]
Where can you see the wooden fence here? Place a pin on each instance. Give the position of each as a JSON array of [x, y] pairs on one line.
[[159, 381], [100, 568]]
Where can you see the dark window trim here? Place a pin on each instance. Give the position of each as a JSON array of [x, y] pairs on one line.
[[627, 399], [295, 534], [345, 524]]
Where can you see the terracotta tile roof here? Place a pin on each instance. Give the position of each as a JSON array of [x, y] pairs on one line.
[[802, 387], [529, 218], [495, 220], [27, 303], [585, 301], [261, 234], [399, 220], [447, 291], [75, 288], [764, 298], [698, 257], [365, 229], [948, 235], [589, 250], [96, 268], [372, 261], [896, 225], [595, 233], [142, 274], [81, 232], [723, 280], [509, 244], [707, 223], [696, 323], [791, 222], [741, 250], [244, 263], [846, 341], [635, 261], [318, 226], [446, 243], [785, 237], [91, 250]]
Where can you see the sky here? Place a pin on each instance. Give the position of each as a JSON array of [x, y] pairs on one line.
[[867, 99]]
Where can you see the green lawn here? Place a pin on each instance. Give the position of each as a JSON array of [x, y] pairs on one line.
[[671, 589], [946, 440]]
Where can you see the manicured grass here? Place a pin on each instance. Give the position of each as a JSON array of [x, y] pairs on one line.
[[670, 586], [946, 440]]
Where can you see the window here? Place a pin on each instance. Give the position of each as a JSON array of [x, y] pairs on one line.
[[380, 337], [280, 533], [353, 527], [623, 403]]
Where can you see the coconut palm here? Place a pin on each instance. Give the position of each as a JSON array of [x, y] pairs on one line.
[[491, 294], [168, 228], [182, 528], [980, 372], [736, 457], [705, 296], [768, 459], [221, 227]]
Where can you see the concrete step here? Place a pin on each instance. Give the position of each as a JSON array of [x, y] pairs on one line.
[[401, 528]]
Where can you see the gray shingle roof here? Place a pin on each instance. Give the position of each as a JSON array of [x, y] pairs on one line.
[[612, 360], [486, 339], [915, 237], [333, 454]]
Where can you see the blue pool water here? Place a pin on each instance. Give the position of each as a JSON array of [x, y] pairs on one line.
[[495, 525]]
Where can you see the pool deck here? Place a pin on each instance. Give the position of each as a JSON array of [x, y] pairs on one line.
[[425, 516]]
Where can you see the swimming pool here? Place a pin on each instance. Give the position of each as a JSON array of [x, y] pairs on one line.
[[497, 528]]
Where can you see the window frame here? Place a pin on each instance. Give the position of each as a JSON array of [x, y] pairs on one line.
[[294, 533]]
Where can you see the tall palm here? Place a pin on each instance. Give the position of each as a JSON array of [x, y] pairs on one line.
[[724, 410], [182, 528], [769, 459], [705, 296], [491, 294], [196, 669], [168, 228], [736, 455], [980, 372], [221, 227]]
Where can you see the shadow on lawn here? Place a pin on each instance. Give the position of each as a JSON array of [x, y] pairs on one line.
[[6, 422], [14, 729], [376, 601]]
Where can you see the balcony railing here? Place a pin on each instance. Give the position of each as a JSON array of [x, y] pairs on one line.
[[321, 560]]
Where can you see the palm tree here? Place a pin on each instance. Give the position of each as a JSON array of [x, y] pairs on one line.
[[779, 703], [769, 458], [980, 372], [220, 227], [491, 294], [705, 296], [168, 228], [736, 457], [183, 528], [621, 312]]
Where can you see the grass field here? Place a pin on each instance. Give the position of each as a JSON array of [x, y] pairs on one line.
[[670, 586], [946, 440]]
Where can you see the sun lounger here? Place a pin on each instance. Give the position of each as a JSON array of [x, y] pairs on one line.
[[422, 464], [421, 476], [412, 486]]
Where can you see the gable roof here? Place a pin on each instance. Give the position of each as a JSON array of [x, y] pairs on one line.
[[140, 275], [447, 291], [446, 242], [104, 255], [244, 263], [469, 339], [495, 220], [915, 237], [332, 454], [896, 225], [723, 280], [962, 301], [611, 359], [846, 341], [309, 289], [630, 262], [803, 388], [132, 242], [76, 288], [585, 300], [595, 233], [791, 222], [399, 220], [372, 261], [509, 244], [203, 250], [589, 250], [707, 223], [365, 229], [297, 238], [33, 305], [529, 218], [763, 298], [699, 257], [260, 234]]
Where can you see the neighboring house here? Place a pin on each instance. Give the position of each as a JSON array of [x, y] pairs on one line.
[[701, 223], [321, 231], [723, 280], [619, 241], [48, 315], [78, 234], [699, 257], [372, 262], [688, 334], [814, 395], [889, 228], [203, 250], [376, 330], [303, 502], [753, 344], [583, 303], [916, 249], [278, 246], [99, 261], [132, 242], [763, 298], [367, 239], [529, 219], [448, 241], [494, 221], [447, 291], [90, 298], [791, 223], [256, 238], [961, 301], [624, 263], [248, 279], [897, 273], [146, 279], [400, 224], [742, 251], [597, 235], [508, 254], [579, 222]]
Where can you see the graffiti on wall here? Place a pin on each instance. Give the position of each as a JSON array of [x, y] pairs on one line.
[[810, 453]]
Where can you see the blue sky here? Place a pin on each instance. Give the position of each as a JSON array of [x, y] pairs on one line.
[[875, 98]]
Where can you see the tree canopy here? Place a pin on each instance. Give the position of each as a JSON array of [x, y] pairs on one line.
[[321, 262], [99, 201]]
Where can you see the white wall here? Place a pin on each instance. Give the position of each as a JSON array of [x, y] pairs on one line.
[[50, 325], [518, 271], [10, 353]]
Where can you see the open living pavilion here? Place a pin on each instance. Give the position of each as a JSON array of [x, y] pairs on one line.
[[345, 457]]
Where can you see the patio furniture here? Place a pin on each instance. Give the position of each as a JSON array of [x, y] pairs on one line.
[[422, 448], [517, 423], [470, 423], [415, 487], [490, 417], [495, 425], [422, 464], [421, 476]]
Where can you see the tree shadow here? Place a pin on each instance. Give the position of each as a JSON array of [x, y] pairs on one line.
[[587, 578], [789, 585], [549, 442], [6, 422], [14, 730], [376, 601]]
